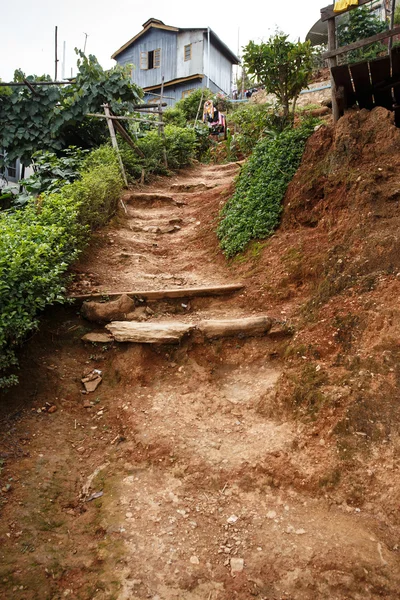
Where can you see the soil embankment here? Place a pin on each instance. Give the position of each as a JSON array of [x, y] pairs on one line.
[[238, 467]]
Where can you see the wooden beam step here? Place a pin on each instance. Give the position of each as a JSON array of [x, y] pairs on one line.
[[171, 332], [192, 292], [167, 332], [246, 326]]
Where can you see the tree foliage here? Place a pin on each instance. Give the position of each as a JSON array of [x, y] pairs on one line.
[[54, 118], [361, 23], [283, 67]]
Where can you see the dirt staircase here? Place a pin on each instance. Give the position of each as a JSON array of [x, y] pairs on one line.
[[172, 475], [212, 502]]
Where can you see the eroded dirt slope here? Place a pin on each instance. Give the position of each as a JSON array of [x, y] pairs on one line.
[[236, 468]]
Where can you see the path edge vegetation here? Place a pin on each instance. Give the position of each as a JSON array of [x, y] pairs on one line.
[[41, 241]]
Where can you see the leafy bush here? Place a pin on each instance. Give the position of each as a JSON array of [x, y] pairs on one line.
[[190, 105], [38, 243], [174, 116], [360, 24], [52, 172], [251, 122], [180, 143], [256, 205]]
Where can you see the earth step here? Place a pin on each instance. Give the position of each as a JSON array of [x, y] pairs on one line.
[[191, 292], [152, 197], [155, 228], [191, 187], [228, 167], [170, 332]]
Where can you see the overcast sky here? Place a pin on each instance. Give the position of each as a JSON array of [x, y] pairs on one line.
[[27, 27]]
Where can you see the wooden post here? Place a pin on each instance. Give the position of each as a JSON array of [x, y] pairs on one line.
[[393, 8], [115, 146], [161, 126], [332, 62], [55, 52]]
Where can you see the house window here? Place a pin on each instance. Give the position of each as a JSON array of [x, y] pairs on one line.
[[150, 60], [12, 169], [187, 93], [188, 52]]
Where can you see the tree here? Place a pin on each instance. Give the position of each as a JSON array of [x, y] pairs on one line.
[[361, 23], [54, 117], [283, 67]]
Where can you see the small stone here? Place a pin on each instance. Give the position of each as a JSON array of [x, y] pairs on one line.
[[232, 519], [52, 409], [271, 514], [300, 531], [129, 515], [194, 560], [237, 565], [97, 338]]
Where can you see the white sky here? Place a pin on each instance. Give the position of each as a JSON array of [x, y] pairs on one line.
[[27, 27]]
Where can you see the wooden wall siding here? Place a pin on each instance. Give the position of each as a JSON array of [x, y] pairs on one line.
[[153, 39], [220, 67], [195, 65]]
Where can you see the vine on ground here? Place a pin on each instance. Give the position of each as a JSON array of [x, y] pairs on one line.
[[256, 205]]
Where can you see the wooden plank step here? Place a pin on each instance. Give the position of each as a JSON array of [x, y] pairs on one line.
[[247, 326], [192, 292], [160, 332], [171, 332]]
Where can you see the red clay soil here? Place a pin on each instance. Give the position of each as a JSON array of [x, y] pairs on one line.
[[244, 468]]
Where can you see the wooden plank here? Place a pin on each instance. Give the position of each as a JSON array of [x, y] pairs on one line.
[[125, 135], [380, 72], [248, 326], [395, 55], [172, 332], [192, 292], [158, 332], [328, 12], [362, 85], [341, 75], [361, 43], [115, 145], [332, 62]]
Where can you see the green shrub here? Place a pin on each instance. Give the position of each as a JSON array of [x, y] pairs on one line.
[[361, 23], [190, 105], [174, 116], [251, 122], [181, 144], [38, 243], [256, 205]]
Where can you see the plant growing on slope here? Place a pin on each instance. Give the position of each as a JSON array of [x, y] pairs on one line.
[[361, 23], [38, 244], [256, 205], [283, 67]]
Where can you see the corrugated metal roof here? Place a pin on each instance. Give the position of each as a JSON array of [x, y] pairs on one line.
[[157, 24]]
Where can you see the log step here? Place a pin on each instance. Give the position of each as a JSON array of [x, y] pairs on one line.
[[192, 292], [171, 332]]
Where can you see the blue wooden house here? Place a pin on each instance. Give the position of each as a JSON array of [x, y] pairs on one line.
[[187, 59]]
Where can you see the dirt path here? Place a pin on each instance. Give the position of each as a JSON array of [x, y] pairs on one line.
[[201, 493]]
